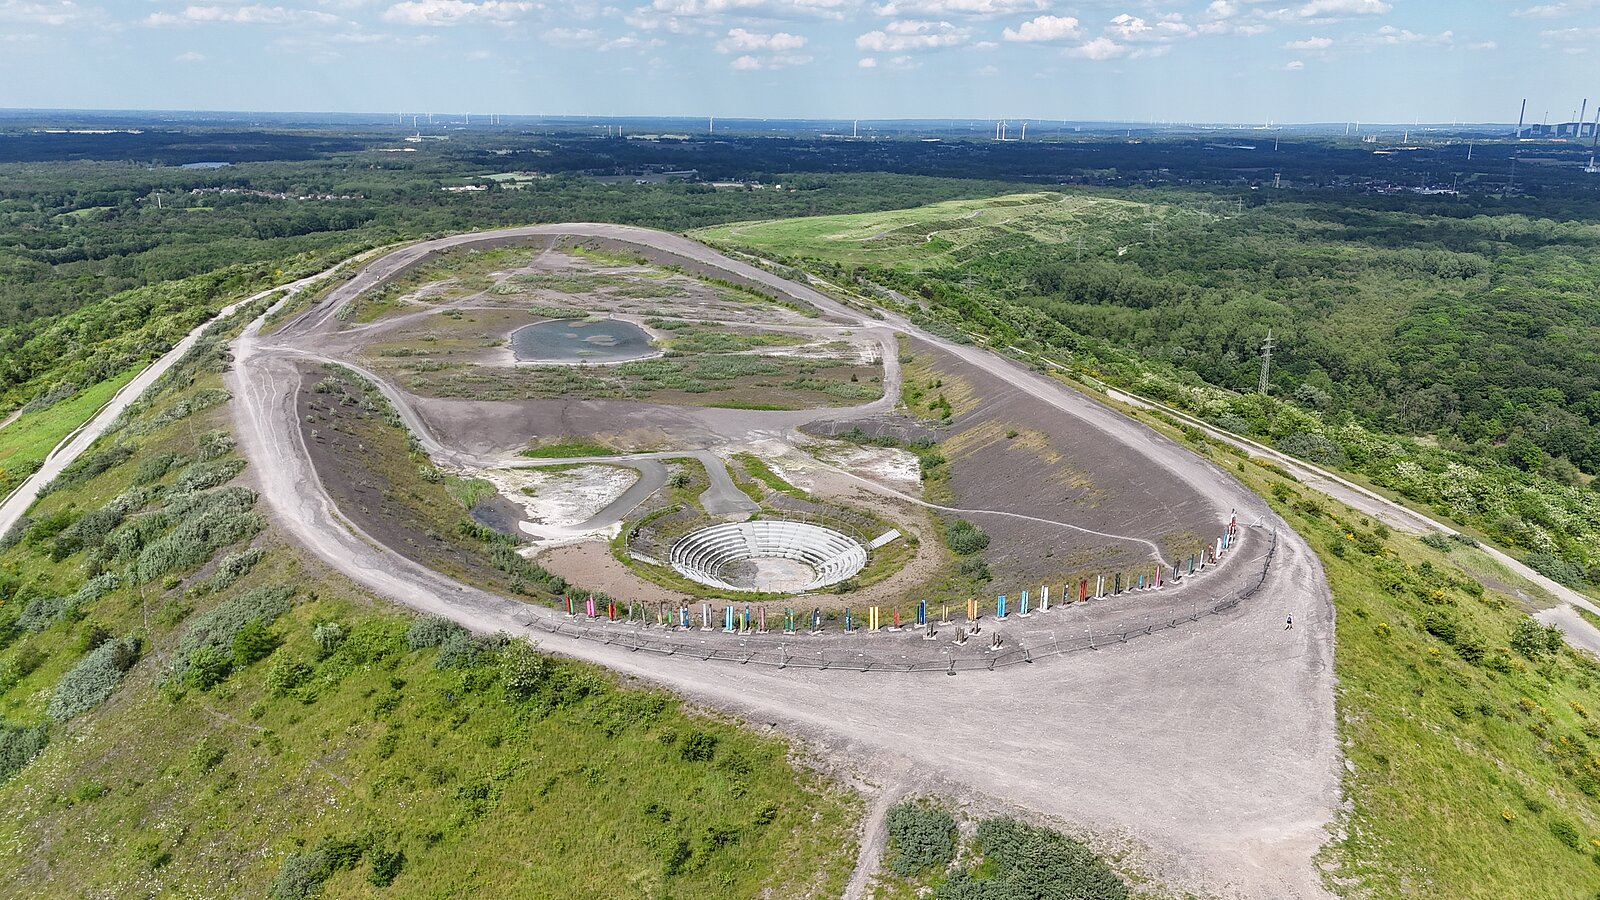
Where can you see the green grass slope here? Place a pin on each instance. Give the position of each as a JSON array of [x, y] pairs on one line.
[[221, 717]]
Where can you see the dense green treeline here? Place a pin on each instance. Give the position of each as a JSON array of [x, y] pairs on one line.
[[1446, 358]]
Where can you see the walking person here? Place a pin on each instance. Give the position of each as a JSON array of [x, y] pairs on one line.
[[1289, 624]]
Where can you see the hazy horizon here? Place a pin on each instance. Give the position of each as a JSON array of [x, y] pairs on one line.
[[1222, 61]]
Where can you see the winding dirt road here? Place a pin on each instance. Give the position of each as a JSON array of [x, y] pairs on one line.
[[1213, 748]]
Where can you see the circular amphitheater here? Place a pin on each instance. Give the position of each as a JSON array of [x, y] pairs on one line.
[[767, 555]]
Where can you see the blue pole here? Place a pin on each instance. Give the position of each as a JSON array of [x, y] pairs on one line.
[[922, 612], [1000, 607]]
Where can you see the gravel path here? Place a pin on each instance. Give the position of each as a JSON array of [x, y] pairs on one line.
[[1214, 745]]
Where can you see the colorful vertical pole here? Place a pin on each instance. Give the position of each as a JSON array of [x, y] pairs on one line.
[[1022, 606], [589, 606], [816, 619], [1141, 582], [849, 624], [762, 626], [1000, 607], [1158, 575], [897, 618], [1083, 589], [1117, 589], [872, 618], [570, 612], [944, 614], [922, 614], [611, 610], [972, 609], [1044, 598]]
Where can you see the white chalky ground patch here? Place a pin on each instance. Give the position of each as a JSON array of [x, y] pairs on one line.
[[890, 465], [562, 498]]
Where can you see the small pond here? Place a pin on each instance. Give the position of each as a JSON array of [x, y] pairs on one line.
[[571, 341]]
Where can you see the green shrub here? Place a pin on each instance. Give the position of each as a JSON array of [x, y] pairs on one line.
[[1566, 833], [1535, 641], [154, 468], [430, 631], [1441, 625], [88, 684], [965, 538], [206, 522], [207, 754], [386, 866], [1439, 541], [1031, 862], [207, 667], [233, 567], [19, 744], [210, 637], [202, 476], [252, 643], [522, 670], [698, 746], [328, 636], [458, 651], [1556, 568], [921, 836], [23, 663], [285, 675], [41, 612]]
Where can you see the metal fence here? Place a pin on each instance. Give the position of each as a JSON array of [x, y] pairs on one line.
[[918, 656]]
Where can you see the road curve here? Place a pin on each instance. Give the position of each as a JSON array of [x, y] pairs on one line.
[[1215, 747]]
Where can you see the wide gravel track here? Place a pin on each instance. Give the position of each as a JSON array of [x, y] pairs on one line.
[[1213, 746]]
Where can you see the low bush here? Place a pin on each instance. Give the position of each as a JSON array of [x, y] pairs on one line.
[[89, 683], [209, 641], [921, 836], [203, 476], [965, 538], [1025, 862], [233, 567], [19, 744], [431, 631], [206, 522]]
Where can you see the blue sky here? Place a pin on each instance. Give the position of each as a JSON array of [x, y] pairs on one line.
[[1197, 60]]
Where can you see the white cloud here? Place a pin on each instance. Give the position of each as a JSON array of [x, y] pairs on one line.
[[1294, 66], [439, 13], [976, 8], [1044, 28], [1101, 48], [1128, 27], [986, 71], [1483, 45], [253, 14], [1389, 34], [189, 57], [867, 62], [1223, 9], [740, 40], [1168, 27], [50, 12], [1571, 35], [1556, 10], [912, 34], [771, 9], [1315, 43], [1318, 8], [571, 37]]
